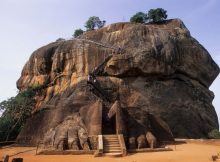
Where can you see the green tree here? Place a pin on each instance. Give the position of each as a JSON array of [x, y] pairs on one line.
[[214, 134], [78, 32], [94, 22], [139, 17], [157, 15], [15, 112]]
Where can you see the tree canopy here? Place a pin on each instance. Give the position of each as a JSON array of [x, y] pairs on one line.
[[78, 32], [157, 15], [15, 112], [94, 22], [139, 17], [153, 15]]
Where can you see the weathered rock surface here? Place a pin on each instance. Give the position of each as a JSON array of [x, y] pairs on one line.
[[163, 71]]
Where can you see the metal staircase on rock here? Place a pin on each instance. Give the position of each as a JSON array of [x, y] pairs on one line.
[[98, 70], [98, 91], [95, 86]]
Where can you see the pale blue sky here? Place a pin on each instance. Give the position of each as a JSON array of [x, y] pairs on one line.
[[29, 24]]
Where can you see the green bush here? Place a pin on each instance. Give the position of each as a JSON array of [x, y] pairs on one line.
[[60, 40], [214, 134], [153, 15], [77, 33], [157, 15], [139, 17]]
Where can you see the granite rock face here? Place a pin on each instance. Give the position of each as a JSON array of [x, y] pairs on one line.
[[161, 70]]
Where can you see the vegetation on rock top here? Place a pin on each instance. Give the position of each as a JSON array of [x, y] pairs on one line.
[[153, 15]]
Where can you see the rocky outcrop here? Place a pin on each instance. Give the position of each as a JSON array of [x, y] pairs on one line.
[[162, 71]]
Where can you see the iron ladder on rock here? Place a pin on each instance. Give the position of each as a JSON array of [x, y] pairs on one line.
[[96, 88]]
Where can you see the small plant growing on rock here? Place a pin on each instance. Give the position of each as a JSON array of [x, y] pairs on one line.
[[60, 40], [78, 32], [214, 134]]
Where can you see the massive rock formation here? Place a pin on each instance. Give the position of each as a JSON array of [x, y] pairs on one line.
[[161, 70]]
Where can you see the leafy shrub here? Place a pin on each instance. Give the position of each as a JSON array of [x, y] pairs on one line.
[[157, 15], [139, 17], [153, 15], [214, 134], [77, 33], [60, 40]]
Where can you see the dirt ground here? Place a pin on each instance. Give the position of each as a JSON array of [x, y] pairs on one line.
[[192, 151]]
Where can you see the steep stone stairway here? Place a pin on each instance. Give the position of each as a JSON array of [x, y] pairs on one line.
[[111, 145]]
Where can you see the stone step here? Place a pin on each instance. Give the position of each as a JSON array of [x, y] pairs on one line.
[[113, 154], [110, 136], [111, 142], [110, 139], [117, 147], [112, 145], [107, 142], [112, 150]]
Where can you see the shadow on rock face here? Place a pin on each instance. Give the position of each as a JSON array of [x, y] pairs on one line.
[[144, 129]]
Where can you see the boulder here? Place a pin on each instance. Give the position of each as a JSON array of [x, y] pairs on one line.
[[162, 71]]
